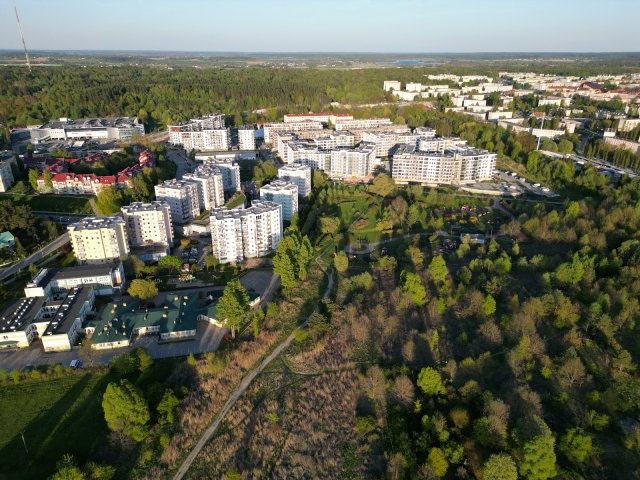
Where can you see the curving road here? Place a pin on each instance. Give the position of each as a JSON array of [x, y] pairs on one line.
[[35, 256], [240, 389]]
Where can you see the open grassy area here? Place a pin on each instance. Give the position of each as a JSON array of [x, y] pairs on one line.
[[57, 416], [51, 203], [237, 200]]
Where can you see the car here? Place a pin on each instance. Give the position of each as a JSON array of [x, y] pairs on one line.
[[75, 363], [537, 185]]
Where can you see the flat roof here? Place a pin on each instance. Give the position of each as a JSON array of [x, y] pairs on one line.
[[68, 311], [18, 313]]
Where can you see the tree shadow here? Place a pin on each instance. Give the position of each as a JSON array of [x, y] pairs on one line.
[[49, 436]]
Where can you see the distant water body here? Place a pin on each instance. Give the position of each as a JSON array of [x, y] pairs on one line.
[[410, 63]]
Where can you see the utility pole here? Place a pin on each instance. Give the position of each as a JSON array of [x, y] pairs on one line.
[[24, 45]]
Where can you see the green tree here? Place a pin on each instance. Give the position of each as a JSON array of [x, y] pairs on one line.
[[109, 200], [171, 263], [382, 185], [500, 467], [438, 462], [576, 444], [438, 270], [411, 284], [489, 305], [341, 262], [143, 359], [539, 458], [143, 289], [99, 471], [125, 410], [233, 306], [67, 470], [33, 179], [48, 179], [211, 261], [430, 382], [167, 408]]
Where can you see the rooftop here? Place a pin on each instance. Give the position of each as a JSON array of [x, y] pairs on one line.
[[257, 207], [18, 313], [96, 223], [279, 186], [153, 206], [92, 123], [68, 311]]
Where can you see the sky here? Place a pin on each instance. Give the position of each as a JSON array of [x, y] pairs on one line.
[[393, 26]]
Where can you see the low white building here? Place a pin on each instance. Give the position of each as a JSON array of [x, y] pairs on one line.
[[182, 197], [210, 181], [359, 123], [109, 128], [389, 85], [106, 279], [283, 193], [299, 174]]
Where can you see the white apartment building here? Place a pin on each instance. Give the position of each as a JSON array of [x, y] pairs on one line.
[[246, 137], [283, 193], [361, 123], [110, 128], [239, 234], [453, 167], [353, 164], [299, 174], [99, 240], [193, 137], [230, 173], [269, 128], [386, 142], [316, 117], [307, 154], [441, 144], [393, 128], [6, 175], [389, 85], [148, 224], [182, 197], [209, 180]]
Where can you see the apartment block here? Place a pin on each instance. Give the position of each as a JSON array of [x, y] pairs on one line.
[[210, 182], [451, 167], [99, 240], [182, 197], [269, 128], [344, 124], [246, 137], [230, 173], [239, 234], [6, 176], [307, 153], [386, 142], [316, 117], [299, 174], [354, 163], [283, 193], [389, 85], [148, 224]]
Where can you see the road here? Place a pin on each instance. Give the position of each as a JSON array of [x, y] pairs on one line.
[[37, 255], [241, 388], [61, 218], [181, 160]]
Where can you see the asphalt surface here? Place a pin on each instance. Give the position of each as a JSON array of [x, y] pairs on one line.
[[34, 257]]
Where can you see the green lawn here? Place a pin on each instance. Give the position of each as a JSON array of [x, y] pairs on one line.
[[57, 416], [51, 203], [237, 200]]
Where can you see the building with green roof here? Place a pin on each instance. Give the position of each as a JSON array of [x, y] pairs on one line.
[[175, 319], [7, 240]]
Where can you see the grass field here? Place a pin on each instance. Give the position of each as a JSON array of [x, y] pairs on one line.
[[57, 416], [51, 203]]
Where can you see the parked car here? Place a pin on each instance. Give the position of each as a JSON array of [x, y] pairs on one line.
[[75, 363]]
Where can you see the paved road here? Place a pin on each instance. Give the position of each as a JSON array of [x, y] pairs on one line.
[[62, 218], [181, 160], [34, 257], [240, 389]]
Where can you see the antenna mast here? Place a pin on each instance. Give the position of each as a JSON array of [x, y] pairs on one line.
[[26, 52]]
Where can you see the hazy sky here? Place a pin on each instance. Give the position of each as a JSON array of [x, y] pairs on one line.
[[328, 25]]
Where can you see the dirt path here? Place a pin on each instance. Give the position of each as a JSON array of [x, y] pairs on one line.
[[240, 389]]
